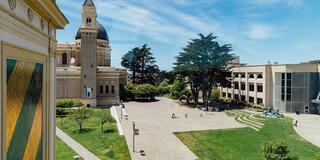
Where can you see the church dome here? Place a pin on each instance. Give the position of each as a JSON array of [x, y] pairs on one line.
[[102, 33]]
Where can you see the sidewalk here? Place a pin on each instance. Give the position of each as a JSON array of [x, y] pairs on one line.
[[83, 152], [308, 127]]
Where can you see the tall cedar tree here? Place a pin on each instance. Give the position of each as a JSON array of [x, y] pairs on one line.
[[203, 63], [142, 64]]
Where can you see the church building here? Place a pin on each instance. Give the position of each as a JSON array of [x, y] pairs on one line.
[[84, 71]]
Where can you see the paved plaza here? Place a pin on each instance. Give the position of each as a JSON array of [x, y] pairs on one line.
[[156, 128], [308, 127]]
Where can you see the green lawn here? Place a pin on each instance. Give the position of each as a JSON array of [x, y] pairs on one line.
[[107, 146], [64, 152], [245, 143]]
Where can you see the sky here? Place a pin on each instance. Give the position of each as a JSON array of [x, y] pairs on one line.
[[283, 31]]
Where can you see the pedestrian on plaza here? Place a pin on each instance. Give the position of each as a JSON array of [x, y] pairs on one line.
[[296, 123], [173, 116], [185, 115]]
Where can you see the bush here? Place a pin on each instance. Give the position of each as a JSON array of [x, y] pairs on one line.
[[145, 91], [164, 88], [129, 91], [277, 151], [61, 113], [318, 156], [65, 104], [68, 104], [176, 89]]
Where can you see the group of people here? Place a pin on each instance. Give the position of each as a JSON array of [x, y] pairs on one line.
[[185, 115]]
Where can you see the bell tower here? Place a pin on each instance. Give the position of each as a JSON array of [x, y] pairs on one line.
[[88, 54]]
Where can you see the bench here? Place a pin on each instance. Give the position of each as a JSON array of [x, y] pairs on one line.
[[124, 113]]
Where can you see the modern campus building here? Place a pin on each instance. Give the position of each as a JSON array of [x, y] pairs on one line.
[[27, 65], [287, 87], [84, 71]]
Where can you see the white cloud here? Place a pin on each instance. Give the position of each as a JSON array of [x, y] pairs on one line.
[[261, 31]]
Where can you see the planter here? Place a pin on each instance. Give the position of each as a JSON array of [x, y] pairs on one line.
[[217, 109]]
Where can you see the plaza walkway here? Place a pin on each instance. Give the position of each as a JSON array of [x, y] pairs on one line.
[[83, 152], [308, 127], [156, 128]]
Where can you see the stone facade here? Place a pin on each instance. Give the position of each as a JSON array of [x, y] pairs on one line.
[[27, 65], [84, 71]]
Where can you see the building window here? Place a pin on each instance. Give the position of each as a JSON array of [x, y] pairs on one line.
[[223, 94], [229, 95], [243, 86], [64, 59], [289, 87], [236, 75], [101, 88], [251, 76], [251, 99], [236, 96], [251, 87], [260, 88], [107, 89], [236, 85], [243, 75], [283, 83], [259, 100], [112, 89], [260, 76], [243, 98]]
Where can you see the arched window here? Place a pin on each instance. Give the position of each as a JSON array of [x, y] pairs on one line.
[[251, 76], [88, 20], [260, 76], [64, 59], [243, 75]]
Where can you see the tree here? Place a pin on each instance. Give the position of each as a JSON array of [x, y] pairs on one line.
[[80, 115], [176, 89], [165, 75], [129, 61], [142, 64], [277, 151], [203, 63], [164, 88], [106, 119]]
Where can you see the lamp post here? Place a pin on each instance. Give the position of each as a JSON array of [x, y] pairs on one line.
[[133, 134]]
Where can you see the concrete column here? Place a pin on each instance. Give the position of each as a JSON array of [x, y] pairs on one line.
[[255, 88]]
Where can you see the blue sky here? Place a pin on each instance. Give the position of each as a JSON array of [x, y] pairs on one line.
[[284, 31]]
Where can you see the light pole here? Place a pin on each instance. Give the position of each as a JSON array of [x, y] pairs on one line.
[[133, 134]]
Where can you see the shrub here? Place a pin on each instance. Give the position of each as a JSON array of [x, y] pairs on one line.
[[65, 104], [176, 89], [277, 151], [129, 91], [164, 88], [144, 91]]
